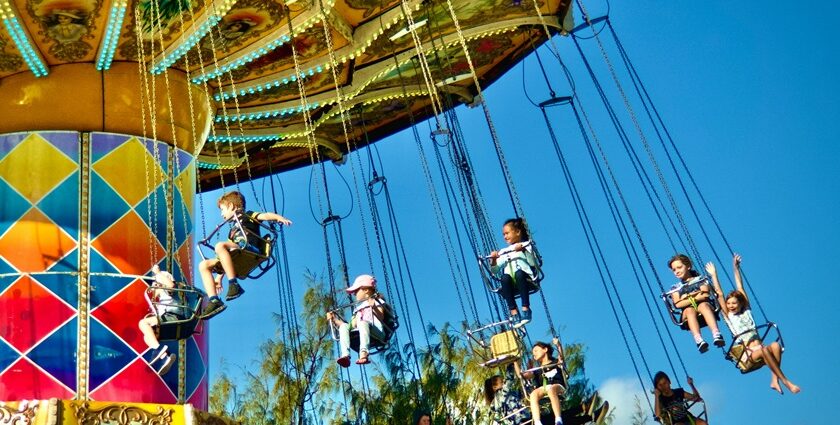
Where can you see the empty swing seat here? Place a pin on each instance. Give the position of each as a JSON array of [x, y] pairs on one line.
[[505, 347]]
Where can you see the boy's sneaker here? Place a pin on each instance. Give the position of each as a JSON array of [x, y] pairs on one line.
[[718, 340], [167, 364], [234, 291], [703, 346], [214, 307], [514, 320], [158, 354], [526, 317]]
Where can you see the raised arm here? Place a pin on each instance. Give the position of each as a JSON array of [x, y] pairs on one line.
[[270, 216], [736, 269], [694, 395], [712, 272], [559, 347]]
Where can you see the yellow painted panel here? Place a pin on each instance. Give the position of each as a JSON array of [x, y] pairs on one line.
[[78, 97]]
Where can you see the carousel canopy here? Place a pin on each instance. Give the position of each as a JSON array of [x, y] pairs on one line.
[[291, 83]]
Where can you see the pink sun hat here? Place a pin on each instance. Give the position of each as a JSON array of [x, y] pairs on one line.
[[363, 281]]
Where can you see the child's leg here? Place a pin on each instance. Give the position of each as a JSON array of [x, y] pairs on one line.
[[709, 314], [147, 329], [534, 399], [364, 337], [204, 269], [344, 339], [773, 358], [690, 316], [554, 396], [522, 283], [223, 253], [506, 290]]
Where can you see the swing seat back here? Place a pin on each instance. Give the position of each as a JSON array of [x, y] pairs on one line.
[[701, 320], [174, 326], [178, 329], [699, 412], [378, 340], [742, 359], [495, 285], [677, 314], [248, 263], [740, 356], [505, 348], [494, 282]]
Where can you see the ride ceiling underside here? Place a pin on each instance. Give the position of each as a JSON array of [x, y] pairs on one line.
[[246, 54]]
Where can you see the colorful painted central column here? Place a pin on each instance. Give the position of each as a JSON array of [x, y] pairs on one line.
[[82, 212]]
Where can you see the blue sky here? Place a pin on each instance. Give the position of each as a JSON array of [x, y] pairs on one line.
[[750, 95]]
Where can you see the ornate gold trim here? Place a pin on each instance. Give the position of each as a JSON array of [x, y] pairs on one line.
[[121, 415], [24, 414], [82, 349]]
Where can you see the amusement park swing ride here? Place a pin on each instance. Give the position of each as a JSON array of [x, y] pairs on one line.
[[115, 114]]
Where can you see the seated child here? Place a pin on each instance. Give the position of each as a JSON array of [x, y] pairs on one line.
[[167, 309], [548, 380], [232, 204], [738, 315], [517, 268], [692, 295], [367, 319], [672, 402], [503, 400]]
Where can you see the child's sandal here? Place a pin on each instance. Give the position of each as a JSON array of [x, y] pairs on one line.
[[343, 361]]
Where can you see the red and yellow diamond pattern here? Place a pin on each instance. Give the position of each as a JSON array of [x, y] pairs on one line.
[[132, 188]]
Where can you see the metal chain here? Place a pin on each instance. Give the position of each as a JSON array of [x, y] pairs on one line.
[[517, 203], [424, 65], [212, 8], [145, 101], [642, 136], [344, 126]]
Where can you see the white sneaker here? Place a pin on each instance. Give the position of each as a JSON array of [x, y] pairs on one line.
[[159, 354], [167, 364]]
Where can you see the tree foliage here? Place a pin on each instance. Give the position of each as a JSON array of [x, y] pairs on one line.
[[298, 381]]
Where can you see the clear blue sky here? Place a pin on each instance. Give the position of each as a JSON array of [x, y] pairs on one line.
[[751, 97]]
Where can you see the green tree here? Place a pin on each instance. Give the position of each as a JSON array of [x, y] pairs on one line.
[[301, 384], [289, 375], [640, 416]]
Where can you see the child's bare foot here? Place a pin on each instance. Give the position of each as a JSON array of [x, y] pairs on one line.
[[774, 384], [792, 387]]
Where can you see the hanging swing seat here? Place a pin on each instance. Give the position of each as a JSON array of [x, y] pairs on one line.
[[252, 261], [503, 347], [676, 313], [699, 406], [179, 320], [740, 356], [494, 280], [379, 341]]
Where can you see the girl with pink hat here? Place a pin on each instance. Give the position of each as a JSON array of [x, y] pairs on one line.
[[368, 317]]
